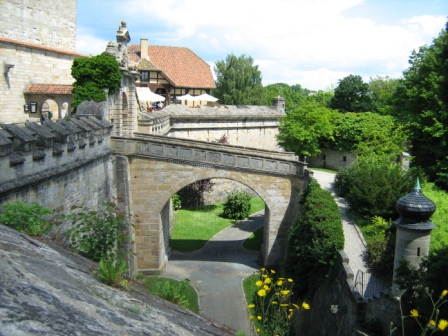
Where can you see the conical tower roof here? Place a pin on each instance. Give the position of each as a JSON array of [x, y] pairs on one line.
[[415, 209]]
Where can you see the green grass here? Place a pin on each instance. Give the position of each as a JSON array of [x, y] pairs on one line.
[[194, 227], [189, 293], [255, 240], [324, 170]]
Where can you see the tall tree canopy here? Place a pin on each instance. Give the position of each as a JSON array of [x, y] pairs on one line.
[[352, 95], [238, 82], [302, 129], [422, 105], [93, 75], [382, 91]]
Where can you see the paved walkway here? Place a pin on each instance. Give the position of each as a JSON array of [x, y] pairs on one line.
[[217, 270]]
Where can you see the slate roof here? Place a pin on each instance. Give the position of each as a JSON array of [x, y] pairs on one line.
[[180, 65], [49, 89]]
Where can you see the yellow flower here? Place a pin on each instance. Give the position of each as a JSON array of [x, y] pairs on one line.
[[266, 288], [279, 283], [259, 318], [290, 280], [414, 313], [259, 283], [305, 305], [261, 292], [251, 306], [285, 292], [258, 330], [267, 280], [445, 292], [443, 324], [281, 279], [295, 306], [274, 302], [284, 305], [265, 276], [432, 323], [263, 269], [272, 271], [251, 317]]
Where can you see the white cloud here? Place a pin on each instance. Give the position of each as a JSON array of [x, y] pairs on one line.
[[88, 44], [309, 42]]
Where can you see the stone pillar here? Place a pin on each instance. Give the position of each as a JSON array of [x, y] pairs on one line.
[[413, 230]]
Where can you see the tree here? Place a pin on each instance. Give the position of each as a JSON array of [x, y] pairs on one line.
[[351, 95], [382, 90], [93, 75], [292, 98], [367, 133], [421, 104], [238, 82], [302, 130]]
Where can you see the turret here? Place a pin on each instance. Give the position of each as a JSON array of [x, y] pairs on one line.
[[413, 229]]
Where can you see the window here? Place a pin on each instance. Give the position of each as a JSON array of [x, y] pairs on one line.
[[144, 76], [344, 158]]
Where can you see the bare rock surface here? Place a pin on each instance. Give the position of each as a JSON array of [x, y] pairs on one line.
[[45, 290]]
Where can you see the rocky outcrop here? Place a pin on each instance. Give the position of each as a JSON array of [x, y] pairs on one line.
[[45, 290]]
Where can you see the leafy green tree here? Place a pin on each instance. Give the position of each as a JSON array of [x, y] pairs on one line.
[[382, 90], [292, 98], [352, 95], [93, 75], [368, 133], [421, 104], [238, 82], [303, 129]]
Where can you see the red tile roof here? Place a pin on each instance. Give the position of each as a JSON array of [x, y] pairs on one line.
[[49, 89], [180, 65], [41, 47]]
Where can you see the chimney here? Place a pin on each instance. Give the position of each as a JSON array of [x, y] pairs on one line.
[[144, 49]]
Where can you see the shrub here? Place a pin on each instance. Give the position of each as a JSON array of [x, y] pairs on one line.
[[177, 203], [193, 194], [28, 218], [96, 234], [375, 184], [237, 205], [314, 240]]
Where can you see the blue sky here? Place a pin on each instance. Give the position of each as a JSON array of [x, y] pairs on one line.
[[313, 43]]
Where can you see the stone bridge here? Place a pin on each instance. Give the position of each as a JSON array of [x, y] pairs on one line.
[[150, 169]]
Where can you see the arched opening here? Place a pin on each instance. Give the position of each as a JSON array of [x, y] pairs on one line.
[[49, 110], [199, 224]]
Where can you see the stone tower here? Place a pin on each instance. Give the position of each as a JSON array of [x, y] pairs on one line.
[[49, 23], [413, 230], [279, 102]]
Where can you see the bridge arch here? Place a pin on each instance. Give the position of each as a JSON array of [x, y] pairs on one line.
[[157, 167]]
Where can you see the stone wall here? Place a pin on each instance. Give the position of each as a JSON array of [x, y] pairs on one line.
[[332, 159], [338, 309], [57, 165], [50, 23], [31, 65]]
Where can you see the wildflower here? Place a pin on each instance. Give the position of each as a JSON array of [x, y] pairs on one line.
[[281, 279], [258, 330], [251, 317], [263, 269], [305, 306], [414, 313], [443, 324], [444, 293], [279, 283], [285, 292], [272, 271], [290, 280], [432, 323], [264, 276], [259, 318], [284, 305], [259, 283], [267, 280], [274, 302], [251, 306], [295, 306], [266, 288], [261, 292]]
